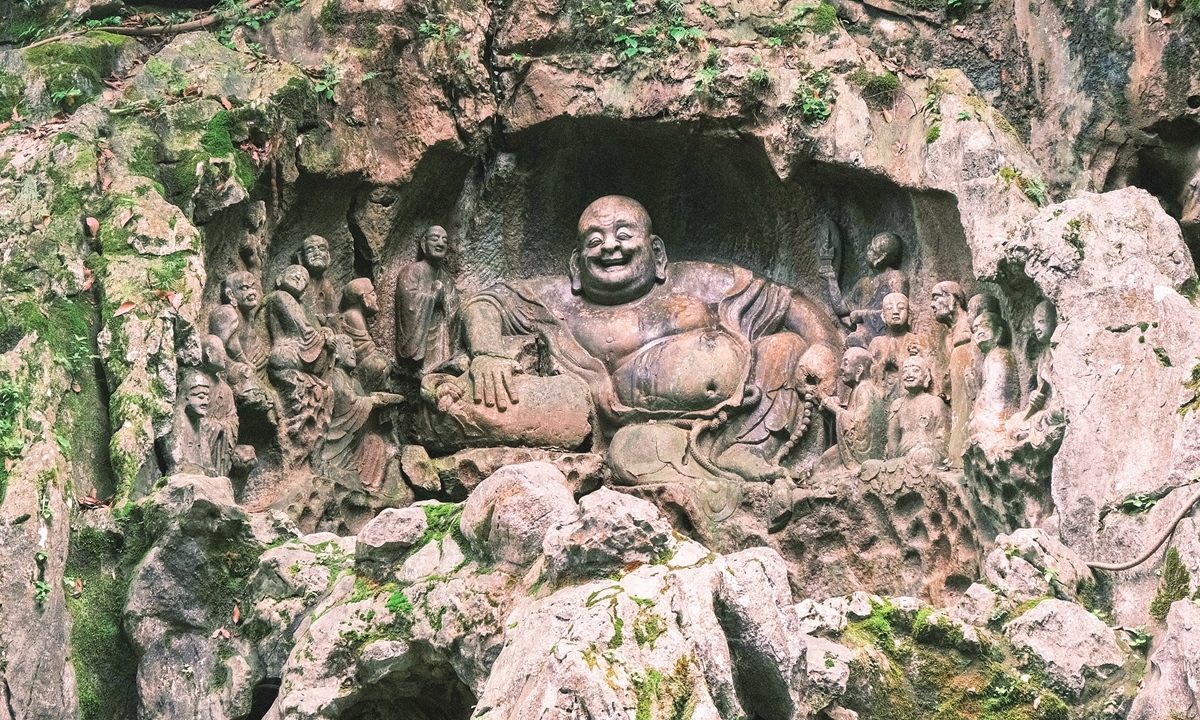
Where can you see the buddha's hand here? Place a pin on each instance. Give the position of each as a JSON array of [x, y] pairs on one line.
[[493, 380]]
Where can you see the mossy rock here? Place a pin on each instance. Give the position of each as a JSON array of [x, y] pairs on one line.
[[72, 69]]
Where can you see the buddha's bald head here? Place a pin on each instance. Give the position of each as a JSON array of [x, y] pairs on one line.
[[619, 258]]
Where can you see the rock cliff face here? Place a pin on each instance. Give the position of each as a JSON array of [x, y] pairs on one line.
[[220, 507]]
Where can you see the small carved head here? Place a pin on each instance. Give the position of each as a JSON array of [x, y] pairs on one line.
[[293, 280], [214, 357], [947, 297], [343, 352], [884, 251], [856, 365], [895, 310], [241, 290], [915, 375], [619, 258], [433, 245], [315, 253], [360, 293], [980, 304], [989, 331], [197, 389], [1045, 321]]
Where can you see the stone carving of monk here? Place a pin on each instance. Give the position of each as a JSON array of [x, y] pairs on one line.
[[320, 298], [359, 302], [198, 444], [697, 344], [427, 308], [959, 359], [1043, 410], [235, 324], [349, 444], [889, 350], [918, 421], [1000, 390], [222, 409], [862, 310], [299, 357], [862, 426]]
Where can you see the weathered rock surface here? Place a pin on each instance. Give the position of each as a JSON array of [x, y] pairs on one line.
[[1071, 642], [1173, 674], [509, 514]]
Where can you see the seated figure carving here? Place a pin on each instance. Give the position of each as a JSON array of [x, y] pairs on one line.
[[863, 310], [299, 357], [1000, 389], [359, 302], [1044, 410], [199, 444], [349, 444], [918, 421], [320, 298], [862, 426], [724, 364], [897, 342]]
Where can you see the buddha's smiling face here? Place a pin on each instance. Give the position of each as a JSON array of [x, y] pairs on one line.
[[618, 255]]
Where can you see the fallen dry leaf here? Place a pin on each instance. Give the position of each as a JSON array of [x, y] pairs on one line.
[[16, 116], [93, 226], [329, 124], [104, 183], [124, 217], [225, 101], [8, 464], [4, 126], [251, 66], [887, 115], [107, 154], [237, 614], [76, 387], [45, 313], [124, 308]]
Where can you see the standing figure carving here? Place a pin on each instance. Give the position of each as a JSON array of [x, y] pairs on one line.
[[729, 364], [320, 298], [236, 324], [862, 426], [958, 358], [862, 310], [1000, 390], [349, 445], [427, 308], [897, 342], [1043, 411], [299, 357], [918, 421], [359, 302]]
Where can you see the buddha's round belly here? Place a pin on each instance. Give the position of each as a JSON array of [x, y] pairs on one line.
[[695, 370]]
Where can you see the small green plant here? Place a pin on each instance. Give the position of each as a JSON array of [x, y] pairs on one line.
[[102, 22], [708, 10], [41, 592], [1139, 639], [1175, 585], [934, 132], [964, 115], [813, 99], [759, 76], [1137, 504], [66, 98], [328, 80], [1071, 235], [817, 17], [1031, 186]]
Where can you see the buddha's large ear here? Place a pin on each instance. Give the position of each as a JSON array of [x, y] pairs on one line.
[[573, 272], [660, 258]]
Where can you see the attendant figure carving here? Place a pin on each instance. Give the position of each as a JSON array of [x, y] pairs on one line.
[[359, 302], [428, 329], [320, 298], [727, 365], [897, 342], [1044, 410], [959, 359], [349, 444], [918, 421], [1000, 390], [235, 323], [299, 357], [862, 310], [198, 444], [862, 426]]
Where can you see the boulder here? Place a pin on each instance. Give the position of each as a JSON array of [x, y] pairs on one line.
[[388, 537], [977, 606], [1071, 642], [1030, 563], [508, 515], [612, 530]]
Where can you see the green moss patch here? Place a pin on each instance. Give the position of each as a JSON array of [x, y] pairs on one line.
[[878, 89], [73, 68], [1176, 585], [12, 93]]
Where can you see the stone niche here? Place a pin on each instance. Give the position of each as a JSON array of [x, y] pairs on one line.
[[331, 441]]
